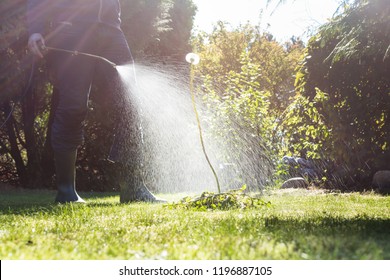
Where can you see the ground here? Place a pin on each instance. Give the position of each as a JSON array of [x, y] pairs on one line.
[[300, 224]]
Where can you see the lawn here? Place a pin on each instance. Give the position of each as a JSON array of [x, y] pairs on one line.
[[300, 224]]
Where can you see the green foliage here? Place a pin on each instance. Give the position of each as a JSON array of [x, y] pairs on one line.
[[246, 82], [303, 127], [223, 52], [22, 138], [339, 115], [233, 199], [175, 41], [348, 61], [359, 32], [139, 23], [12, 49], [243, 111], [158, 28]]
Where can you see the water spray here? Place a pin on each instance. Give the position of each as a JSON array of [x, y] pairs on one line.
[[81, 53], [194, 59], [229, 200]]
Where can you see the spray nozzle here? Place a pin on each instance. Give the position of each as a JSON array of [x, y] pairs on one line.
[[42, 46], [112, 64], [192, 58]]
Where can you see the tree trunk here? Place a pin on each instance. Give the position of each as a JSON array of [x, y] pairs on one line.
[[14, 148], [34, 169]]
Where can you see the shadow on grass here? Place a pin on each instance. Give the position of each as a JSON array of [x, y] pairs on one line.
[[30, 202], [328, 224], [338, 236]]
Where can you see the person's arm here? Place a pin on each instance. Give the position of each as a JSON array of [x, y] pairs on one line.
[[37, 13]]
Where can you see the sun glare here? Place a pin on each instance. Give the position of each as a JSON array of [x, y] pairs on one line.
[[291, 18]]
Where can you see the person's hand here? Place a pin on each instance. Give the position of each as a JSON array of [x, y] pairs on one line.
[[36, 44]]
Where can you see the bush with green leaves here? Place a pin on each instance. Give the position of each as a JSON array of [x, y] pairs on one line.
[[246, 88], [347, 62]]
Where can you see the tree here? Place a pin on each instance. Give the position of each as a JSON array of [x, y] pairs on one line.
[[158, 28], [221, 54], [348, 61], [246, 80], [23, 132], [175, 40], [139, 23]]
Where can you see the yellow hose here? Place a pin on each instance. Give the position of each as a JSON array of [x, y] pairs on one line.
[[200, 127]]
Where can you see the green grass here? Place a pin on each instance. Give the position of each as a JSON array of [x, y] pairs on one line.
[[299, 225]]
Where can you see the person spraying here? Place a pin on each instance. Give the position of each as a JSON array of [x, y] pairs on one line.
[[90, 27]]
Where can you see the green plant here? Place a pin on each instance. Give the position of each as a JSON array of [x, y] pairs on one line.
[[348, 60], [233, 199]]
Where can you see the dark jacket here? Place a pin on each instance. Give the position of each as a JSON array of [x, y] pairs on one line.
[[41, 12]]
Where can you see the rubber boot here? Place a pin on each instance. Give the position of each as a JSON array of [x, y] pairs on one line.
[[133, 188], [65, 163]]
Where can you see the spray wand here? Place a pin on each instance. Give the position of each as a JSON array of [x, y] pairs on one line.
[[43, 47], [81, 53]]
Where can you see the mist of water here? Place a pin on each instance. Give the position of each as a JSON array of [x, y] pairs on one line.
[[173, 157]]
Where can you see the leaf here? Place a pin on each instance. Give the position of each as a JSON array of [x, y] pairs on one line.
[[233, 199]]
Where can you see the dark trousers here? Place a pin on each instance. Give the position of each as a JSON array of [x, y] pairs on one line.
[[73, 76]]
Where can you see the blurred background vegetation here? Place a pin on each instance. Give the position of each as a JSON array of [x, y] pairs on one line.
[[327, 100]]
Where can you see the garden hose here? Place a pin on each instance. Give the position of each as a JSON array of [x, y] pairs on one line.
[[193, 59]]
